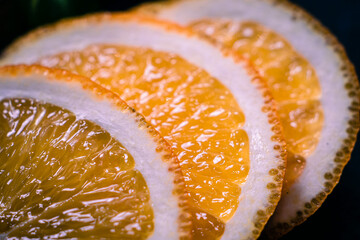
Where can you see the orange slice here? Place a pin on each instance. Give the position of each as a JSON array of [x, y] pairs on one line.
[[192, 110], [310, 77], [77, 162], [205, 103], [291, 78]]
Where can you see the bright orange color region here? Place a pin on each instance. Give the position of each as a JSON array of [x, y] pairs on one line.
[[63, 177], [290, 77], [192, 110]]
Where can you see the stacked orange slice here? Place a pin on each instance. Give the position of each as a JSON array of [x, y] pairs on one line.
[[310, 77], [209, 105], [77, 162], [223, 93]]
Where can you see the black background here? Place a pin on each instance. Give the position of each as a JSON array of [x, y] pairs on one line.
[[339, 217]]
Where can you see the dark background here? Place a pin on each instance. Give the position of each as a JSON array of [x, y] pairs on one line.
[[339, 217]]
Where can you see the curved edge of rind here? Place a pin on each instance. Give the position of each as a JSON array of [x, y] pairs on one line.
[[278, 172], [269, 107], [343, 155], [163, 147], [87, 19], [276, 230], [271, 110]]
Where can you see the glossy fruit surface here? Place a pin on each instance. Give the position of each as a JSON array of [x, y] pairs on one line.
[[290, 77], [193, 110]]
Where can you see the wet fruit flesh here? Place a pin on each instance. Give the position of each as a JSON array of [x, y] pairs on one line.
[[63, 177], [195, 112], [290, 77]]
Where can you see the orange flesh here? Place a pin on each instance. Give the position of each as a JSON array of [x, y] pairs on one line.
[[290, 77], [61, 177], [192, 110]]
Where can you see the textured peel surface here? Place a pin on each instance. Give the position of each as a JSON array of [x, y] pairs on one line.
[[64, 177], [290, 77], [191, 109]]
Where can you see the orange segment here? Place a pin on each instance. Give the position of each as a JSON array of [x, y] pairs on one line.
[[63, 177], [194, 111], [294, 169], [205, 226], [290, 77], [300, 121]]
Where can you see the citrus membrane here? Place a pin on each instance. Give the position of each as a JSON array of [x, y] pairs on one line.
[[50, 167], [318, 101], [63, 175], [192, 110], [217, 114], [291, 79]]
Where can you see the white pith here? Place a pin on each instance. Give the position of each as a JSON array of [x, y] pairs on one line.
[[122, 126], [255, 195], [313, 47]]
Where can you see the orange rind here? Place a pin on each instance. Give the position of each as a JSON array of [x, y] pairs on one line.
[[79, 39], [330, 114], [78, 162]]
